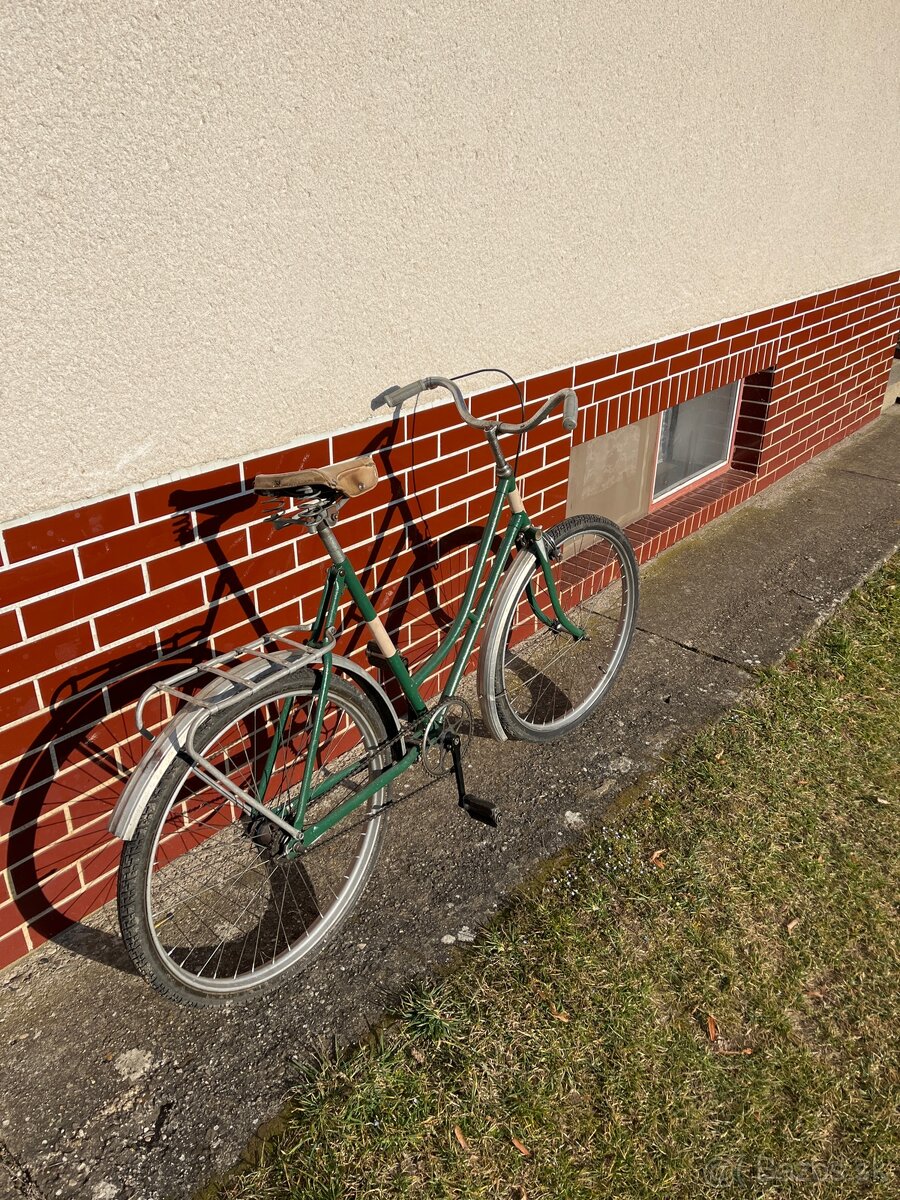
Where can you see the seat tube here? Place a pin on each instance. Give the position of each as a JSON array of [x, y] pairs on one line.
[[382, 638]]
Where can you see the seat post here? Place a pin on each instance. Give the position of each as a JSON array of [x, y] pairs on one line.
[[330, 542]]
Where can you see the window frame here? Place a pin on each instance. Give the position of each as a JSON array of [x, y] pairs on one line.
[[704, 476]]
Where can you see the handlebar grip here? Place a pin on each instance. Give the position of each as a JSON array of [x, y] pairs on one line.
[[570, 410], [394, 396]]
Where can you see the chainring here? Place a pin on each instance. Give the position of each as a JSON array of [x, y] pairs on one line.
[[452, 716]]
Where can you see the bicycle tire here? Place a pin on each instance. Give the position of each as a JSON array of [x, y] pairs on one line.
[[596, 574], [150, 864]]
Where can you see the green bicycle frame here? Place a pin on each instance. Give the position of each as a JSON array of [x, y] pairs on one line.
[[341, 578]]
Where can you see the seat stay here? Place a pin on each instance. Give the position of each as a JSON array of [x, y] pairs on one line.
[[319, 700], [329, 602]]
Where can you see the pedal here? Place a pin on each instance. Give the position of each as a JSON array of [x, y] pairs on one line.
[[479, 810]]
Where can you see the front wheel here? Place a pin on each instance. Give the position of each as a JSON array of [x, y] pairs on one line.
[[538, 680], [214, 904]]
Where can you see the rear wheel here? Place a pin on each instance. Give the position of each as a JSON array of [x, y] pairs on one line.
[[537, 681], [214, 902]]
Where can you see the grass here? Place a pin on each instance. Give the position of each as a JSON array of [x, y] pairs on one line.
[[699, 1002]]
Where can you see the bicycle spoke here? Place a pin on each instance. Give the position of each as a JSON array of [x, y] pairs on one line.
[[231, 907], [547, 680]]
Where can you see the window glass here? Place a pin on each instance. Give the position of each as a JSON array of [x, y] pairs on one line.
[[695, 438]]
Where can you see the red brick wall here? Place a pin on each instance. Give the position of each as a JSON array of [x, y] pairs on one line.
[[98, 601]]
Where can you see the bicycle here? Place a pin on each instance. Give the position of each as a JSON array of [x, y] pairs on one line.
[[253, 823]]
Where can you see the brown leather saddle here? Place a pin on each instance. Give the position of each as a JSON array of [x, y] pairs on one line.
[[347, 479]]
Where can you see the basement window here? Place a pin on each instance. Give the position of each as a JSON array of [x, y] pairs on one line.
[[695, 440]]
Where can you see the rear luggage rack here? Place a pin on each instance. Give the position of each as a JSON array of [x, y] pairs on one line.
[[231, 668]]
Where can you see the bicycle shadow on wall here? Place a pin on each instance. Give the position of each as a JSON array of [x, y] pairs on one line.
[[68, 780], [429, 563]]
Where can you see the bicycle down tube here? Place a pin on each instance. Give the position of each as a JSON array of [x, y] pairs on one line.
[[342, 577]]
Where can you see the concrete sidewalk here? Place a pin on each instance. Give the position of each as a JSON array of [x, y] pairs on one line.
[[110, 1092]]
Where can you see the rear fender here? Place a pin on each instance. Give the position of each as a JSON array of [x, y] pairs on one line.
[[146, 776], [379, 697]]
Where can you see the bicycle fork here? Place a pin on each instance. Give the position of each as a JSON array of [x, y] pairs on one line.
[[537, 545]]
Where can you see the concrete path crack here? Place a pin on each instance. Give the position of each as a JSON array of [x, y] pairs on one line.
[[802, 595], [721, 658], [18, 1175], [867, 475]]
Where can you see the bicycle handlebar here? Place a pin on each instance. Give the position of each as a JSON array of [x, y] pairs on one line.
[[570, 409], [395, 396]]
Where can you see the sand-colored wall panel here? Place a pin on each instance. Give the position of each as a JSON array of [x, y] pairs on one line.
[[613, 475], [227, 224]]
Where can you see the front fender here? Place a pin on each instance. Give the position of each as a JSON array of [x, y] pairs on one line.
[[492, 637]]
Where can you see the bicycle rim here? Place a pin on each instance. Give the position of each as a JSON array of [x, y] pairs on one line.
[[547, 682], [225, 909]]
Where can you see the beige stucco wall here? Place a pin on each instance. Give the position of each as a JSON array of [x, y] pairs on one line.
[[229, 223]]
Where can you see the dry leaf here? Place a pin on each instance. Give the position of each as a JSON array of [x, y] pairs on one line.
[[792, 925], [460, 1137], [712, 1027], [523, 1150], [656, 858], [558, 1014]]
